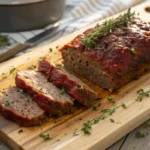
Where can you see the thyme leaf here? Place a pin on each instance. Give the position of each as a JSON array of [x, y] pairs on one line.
[[87, 126], [7, 73], [124, 106], [112, 120], [141, 134], [110, 99], [4, 40], [142, 94], [91, 39], [63, 90], [45, 136]]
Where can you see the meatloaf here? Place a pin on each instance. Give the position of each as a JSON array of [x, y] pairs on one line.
[[19, 107], [50, 98], [118, 57], [63, 79]]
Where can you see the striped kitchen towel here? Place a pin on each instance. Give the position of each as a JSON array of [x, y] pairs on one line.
[[91, 10]]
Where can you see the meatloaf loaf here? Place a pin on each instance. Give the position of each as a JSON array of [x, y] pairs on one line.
[[19, 107], [50, 98], [63, 79], [118, 57]]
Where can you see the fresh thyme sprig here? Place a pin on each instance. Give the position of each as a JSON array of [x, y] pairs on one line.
[[87, 126], [4, 40], [91, 39], [141, 94]]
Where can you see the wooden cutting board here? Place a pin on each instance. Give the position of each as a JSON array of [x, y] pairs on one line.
[[61, 129]]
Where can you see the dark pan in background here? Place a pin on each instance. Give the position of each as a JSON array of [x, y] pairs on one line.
[[21, 15]]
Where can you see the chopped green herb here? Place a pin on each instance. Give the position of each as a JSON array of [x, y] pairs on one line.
[[58, 65], [141, 134], [87, 126], [63, 90], [20, 90], [112, 120], [20, 131], [32, 67], [7, 103], [7, 73], [110, 99], [50, 49], [124, 106], [4, 40], [80, 89], [91, 39], [147, 123], [94, 107], [133, 52], [41, 89], [57, 46], [45, 136], [142, 94]]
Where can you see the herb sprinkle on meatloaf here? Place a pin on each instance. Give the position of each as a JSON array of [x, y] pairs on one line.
[[63, 79], [19, 107], [50, 98]]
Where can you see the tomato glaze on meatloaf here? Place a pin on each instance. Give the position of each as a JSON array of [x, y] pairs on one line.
[[117, 59]]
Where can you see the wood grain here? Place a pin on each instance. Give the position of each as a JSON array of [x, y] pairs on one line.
[[61, 130]]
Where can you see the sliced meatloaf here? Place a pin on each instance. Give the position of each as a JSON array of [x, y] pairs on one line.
[[63, 79], [116, 59], [50, 98], [19, 107]]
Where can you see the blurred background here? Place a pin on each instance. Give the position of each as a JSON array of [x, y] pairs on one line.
[[20, 15]]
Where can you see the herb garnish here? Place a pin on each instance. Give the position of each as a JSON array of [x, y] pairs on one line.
[[58, 65], [32, 67], [112, 120], [20, 90], [57, 46], [63, 90], [141, 134], [94, 107], [124, 106], [87, 126], [10, 71], [50, 49], [110, 99], [142, 94], [45, 136], [80, 89], [147, 123], [20, 131], [7, 103], [132, 50], [91, 39], [4, 40]]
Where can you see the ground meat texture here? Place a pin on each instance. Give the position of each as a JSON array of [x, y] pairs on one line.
[[111, 63], [48, 97], [63, 79], [19, 107]]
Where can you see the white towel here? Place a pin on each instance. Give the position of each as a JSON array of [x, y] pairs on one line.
[[91, 10]]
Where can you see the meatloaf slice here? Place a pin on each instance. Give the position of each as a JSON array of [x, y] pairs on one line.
[[49, 97], [117, 58], [63, 79], [19, 107]]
